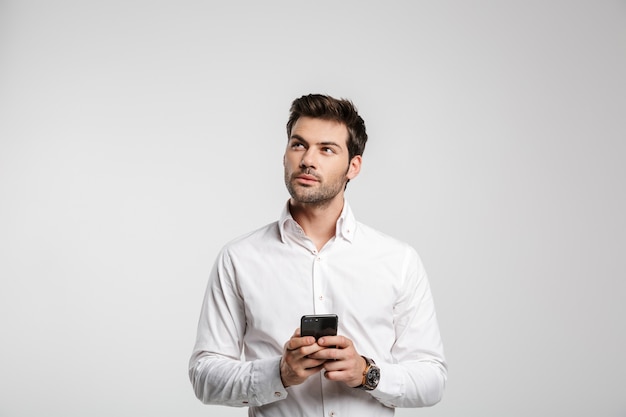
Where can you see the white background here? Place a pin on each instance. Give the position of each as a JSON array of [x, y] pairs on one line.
[[137, 137]]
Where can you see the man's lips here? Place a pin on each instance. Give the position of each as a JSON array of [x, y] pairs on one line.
[[306, 178]]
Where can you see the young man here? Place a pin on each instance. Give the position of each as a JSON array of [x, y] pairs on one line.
[[317, 259]]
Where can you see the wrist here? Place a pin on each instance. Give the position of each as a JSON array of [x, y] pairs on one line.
[[361, 369], [371, 375]]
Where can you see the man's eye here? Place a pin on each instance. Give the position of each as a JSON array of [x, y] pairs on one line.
[[297, 145], [328, 150]]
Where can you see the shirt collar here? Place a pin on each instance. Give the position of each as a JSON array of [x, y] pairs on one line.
[[346, 223]]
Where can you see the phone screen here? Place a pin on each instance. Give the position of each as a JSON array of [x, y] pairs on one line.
[[319, 325]]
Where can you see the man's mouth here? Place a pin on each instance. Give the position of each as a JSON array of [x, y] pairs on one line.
[[307, 178]]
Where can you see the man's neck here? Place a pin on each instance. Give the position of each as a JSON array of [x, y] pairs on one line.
[[318, 221]]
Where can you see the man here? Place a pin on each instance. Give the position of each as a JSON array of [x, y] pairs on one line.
[[318, 259]]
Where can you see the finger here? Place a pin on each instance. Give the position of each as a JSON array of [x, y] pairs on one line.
[[341, 342], [335, 365], [336, 375], [312, 364], [312, 351], [297, 342]]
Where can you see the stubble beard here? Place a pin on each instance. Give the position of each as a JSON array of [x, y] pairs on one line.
[[319, 195]]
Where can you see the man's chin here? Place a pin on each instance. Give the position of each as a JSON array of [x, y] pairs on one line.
[[300, 191]]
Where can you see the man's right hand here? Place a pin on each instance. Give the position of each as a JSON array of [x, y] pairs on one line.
[[295, 365]]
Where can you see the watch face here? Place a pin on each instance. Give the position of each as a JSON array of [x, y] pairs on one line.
[[373, 376]]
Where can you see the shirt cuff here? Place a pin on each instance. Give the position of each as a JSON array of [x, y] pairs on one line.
[[391, 385], [266, 383]]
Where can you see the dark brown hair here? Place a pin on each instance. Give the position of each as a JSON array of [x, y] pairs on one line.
[[328, 108]]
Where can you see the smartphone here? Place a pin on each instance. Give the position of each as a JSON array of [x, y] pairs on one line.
[[319, 325]]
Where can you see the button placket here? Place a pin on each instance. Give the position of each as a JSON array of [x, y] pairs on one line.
[[319, 284], [318, 297]]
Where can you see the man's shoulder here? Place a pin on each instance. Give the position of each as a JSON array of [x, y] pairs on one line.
[[372, 236], [373, 244]]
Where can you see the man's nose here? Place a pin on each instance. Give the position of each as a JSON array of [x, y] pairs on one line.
[[308, 159]]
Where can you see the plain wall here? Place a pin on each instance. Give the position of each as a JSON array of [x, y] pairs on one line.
[[137, 137]]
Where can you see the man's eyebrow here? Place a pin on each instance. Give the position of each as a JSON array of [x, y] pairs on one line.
[[298, 137], [324, 143], [330, 144]]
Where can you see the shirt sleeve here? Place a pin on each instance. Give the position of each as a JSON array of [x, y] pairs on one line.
[[418, 373], [216, 369]]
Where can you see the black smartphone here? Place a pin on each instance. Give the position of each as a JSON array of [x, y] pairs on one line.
[[319, 325]]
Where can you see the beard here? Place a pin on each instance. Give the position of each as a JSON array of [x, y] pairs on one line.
[[319, 194]]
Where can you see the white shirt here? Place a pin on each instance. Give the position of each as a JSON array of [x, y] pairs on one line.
[[262, 283]]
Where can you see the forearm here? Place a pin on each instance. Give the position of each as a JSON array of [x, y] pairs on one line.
[[413, 384], [416, 373], [225, 381], [217, 373]]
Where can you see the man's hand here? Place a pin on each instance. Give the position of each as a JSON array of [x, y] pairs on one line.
[[343, 363], [296, 365]]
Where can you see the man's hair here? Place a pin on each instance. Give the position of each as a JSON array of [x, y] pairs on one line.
[[328, 108]]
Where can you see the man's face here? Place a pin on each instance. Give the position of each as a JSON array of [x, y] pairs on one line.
[[317, 164]]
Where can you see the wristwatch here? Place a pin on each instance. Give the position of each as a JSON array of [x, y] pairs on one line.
[[371, 375]]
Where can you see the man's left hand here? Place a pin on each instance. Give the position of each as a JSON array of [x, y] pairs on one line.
[[342, 363]]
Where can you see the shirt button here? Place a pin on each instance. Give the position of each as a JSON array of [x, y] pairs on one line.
[[332, 414], [321, 298], [278, 394]]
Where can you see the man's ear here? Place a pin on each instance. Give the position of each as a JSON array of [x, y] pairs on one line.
[[355, 167]]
